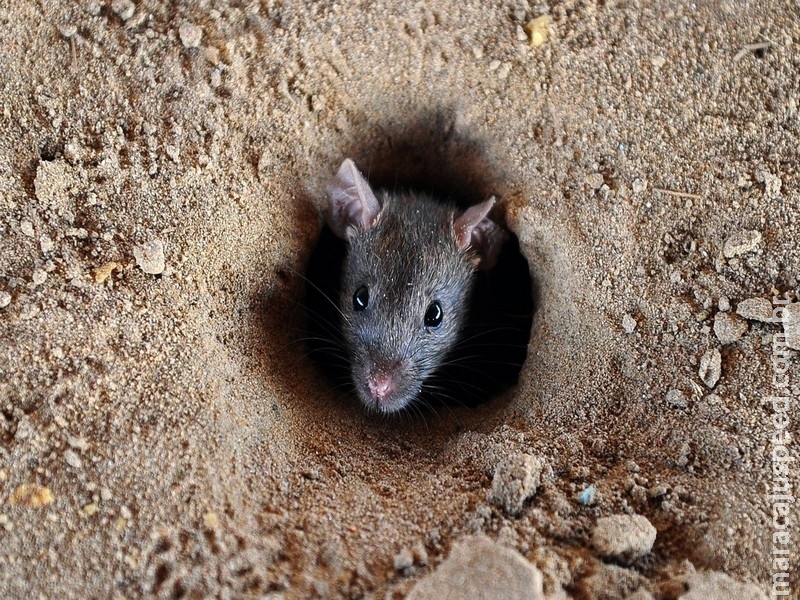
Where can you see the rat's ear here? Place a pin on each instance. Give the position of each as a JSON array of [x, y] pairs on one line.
[[351, 202], [475, 230]]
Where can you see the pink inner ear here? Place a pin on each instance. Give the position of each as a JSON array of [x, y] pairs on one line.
[[475, 230], [470, 219], [351, 201]]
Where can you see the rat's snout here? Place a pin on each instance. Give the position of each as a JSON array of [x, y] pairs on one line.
[[381, 385]]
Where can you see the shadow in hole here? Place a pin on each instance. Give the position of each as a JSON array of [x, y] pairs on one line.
[[428, 157]]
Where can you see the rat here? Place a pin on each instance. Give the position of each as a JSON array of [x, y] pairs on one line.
[[408, 273]]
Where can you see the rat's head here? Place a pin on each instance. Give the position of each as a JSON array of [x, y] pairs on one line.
[[406, 283]]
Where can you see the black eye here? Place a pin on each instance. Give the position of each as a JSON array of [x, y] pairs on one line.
[[361, 298], [434, 315]]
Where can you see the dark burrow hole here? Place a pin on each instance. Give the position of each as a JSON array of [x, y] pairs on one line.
[[493, 345]]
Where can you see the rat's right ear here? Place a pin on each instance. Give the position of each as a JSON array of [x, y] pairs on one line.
[[351, 202]]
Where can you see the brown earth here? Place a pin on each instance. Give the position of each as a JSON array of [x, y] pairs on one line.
[[183, 444]]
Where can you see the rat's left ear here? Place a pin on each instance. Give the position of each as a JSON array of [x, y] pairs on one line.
[[351, 202], [475, 230]]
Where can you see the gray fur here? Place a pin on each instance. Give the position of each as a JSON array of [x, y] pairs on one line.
[[413, 252]]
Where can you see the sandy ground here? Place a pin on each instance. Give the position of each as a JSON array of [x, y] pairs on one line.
[[163, 435]]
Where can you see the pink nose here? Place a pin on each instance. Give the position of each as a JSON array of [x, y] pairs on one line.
[[381, 385]]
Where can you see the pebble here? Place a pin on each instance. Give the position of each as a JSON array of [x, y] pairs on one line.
[[124, 9], [190, 35], [791, 325], [210, 520], [677, 399], [741, 242], [755, 309], [628, 323], [31, 495], [712, 585], [26, 227], [594, 180], [67, 30], [539, 30], [623, 538], [710, 367], [516, 478], [39, 276], [72, 459], [724, 303], [639, 185], [403, 560], [46, 244], [480, 568], [5, 299], [150, 257], [729, 328], [772, 183], [103, 272], [78, 443], [588, 497]]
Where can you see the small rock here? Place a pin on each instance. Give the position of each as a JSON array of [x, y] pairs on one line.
[[712, 585], [772, 183], [67, 30], [658, 61], [479, 568], [124, 9], [791, 325], [78, 443], [39, 276], [5, 299], [210, 520], [724, 303], [588, 497], [103, 272], [516, 479], [729, 328], [755, 309], [594, 180], [538, 30], [403, 560], [150, 257], [740, 243], [31, 495], [677, 399], [628, 323], [46, 244], [710, 367], [190, 35], [504, 70], [72, 459], [26, 227], [639, 185], [623, 538]]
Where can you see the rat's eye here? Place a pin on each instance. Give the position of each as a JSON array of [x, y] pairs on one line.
[[434, 315], [361, 298]]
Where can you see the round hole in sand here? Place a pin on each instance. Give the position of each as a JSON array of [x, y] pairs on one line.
[[493, 345]]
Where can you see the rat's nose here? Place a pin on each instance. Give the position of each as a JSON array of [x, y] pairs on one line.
[[381, 385]]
